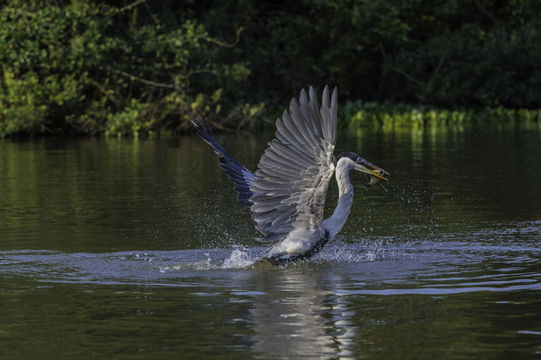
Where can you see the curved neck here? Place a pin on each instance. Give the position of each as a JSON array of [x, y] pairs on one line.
[[345, 199]]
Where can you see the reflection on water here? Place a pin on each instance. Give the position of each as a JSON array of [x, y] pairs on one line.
[[351, 299], [299, 318], [134, 248]]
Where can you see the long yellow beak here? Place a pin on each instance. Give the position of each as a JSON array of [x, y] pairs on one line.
[[379, 173], [373, 170]]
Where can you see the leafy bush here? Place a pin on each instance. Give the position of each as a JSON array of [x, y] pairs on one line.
[[142, 67], [89, 67]]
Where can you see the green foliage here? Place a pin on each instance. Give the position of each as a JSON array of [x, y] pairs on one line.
[[20, 104], [394, 117], [89, 67], [142, 67], [453, 53]]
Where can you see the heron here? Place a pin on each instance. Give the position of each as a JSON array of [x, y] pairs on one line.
[[286, 195]]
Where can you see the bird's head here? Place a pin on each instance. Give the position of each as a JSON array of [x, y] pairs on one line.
[[357, 162]]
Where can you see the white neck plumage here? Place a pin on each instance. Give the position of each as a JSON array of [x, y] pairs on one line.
[[345, 198]]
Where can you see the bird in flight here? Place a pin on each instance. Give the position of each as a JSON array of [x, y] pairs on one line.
[[286, 195]]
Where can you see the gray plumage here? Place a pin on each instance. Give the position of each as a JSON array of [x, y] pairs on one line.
[[286, 195], [295, 170]]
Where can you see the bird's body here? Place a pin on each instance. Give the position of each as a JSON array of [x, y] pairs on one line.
[[286, 195]]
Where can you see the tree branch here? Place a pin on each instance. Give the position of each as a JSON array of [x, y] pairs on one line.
[[141, 80], [429, 84], [224, 44], [132, 5], [486, 12], [103, 90], [386, 62]]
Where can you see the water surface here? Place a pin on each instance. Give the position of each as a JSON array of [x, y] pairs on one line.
[[137, 249]]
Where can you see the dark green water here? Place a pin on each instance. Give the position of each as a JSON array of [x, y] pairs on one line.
[[137, 249]]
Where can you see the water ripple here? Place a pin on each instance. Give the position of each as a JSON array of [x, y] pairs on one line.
[[374, 266]]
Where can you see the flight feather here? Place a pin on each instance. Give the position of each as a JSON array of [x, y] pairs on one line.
[[293, 174]]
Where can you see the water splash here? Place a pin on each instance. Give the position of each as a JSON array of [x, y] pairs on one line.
[[366, 250], [239, 259], [219, 259], [509, 250]]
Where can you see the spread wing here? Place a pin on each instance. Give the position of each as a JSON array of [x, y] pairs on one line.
[[294, 172], [235, 171]]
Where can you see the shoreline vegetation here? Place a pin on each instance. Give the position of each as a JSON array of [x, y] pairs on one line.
[[140, 68], [397, 117], [355, 117]]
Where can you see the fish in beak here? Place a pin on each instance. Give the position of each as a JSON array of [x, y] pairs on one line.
[[375, 173]]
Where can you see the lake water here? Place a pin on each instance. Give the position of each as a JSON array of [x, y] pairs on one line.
[[122, 248]]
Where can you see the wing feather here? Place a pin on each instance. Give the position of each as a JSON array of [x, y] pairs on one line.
[[300, 123], [294, 172], [241, 177], [334, 113], [314, 112], [294, 135]]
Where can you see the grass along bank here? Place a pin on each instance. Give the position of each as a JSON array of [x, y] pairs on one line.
[[391, 117]]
